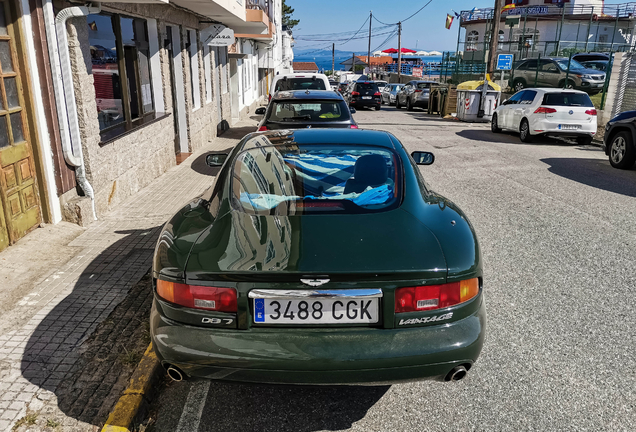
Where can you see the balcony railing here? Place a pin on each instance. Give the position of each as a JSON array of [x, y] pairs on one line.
[[263, 5]]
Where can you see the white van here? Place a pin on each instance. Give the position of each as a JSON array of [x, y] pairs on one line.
[[299, 81]]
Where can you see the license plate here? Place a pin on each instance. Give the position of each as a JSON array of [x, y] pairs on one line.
[[366, 97], [569, 127], [317, 311]]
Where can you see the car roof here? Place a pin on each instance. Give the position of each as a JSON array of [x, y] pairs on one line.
[[302, 75], [326, 136], [554, 90], [306, 94]]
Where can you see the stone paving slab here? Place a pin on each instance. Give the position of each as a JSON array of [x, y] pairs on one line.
[[45, 336]]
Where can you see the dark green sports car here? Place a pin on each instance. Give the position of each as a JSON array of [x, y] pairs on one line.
[[319, 256]]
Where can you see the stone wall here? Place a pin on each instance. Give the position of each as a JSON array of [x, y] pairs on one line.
[[119, 168]]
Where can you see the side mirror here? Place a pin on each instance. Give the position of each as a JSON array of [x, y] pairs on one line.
[[260, 111], [352, 110], [215, 160], [423, 158]]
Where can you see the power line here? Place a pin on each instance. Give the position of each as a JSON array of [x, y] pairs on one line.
[[418, 11], [363, 36]]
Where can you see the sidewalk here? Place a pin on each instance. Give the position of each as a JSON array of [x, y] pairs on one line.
[[56, 371]]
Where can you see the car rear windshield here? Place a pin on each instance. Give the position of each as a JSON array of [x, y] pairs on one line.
[[567, 99], [309, 110], [307, 83], [423, 85], [295, 179], [367, 87]]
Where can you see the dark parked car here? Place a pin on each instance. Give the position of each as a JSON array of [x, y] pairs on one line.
[[306, 109], [553, 72], [619, 140], [599, 65], [583, 57], [319, 256], [363, 94], [414, 94]]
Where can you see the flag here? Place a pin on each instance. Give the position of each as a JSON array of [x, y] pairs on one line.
[[449, 21], [471, 14], [507, 7]]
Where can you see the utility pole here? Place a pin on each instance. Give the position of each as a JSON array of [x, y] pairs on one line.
[[399, 51], [353, 62], [369, 50], [333, 59], [494, 37]]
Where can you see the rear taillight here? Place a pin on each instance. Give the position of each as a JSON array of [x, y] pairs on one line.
[[591, 112], [355, 94], [262, 128], [377, 94], [423, 298], [198, 297], [270, 97], [418, 91], [353, 126], [544, 110]]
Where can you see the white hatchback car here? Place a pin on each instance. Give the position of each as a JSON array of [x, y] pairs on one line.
[[547, 111], [299, 81]]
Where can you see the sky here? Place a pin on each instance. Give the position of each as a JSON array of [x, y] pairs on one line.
[[425, 31]]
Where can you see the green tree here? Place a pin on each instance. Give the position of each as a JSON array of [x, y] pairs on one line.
[[287, 17]]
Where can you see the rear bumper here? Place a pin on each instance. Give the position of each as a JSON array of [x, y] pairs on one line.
[[548, 127], [365, 102], [319, 356]]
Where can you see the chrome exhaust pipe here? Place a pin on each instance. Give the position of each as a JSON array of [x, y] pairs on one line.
[[457, 373], [175, 374]]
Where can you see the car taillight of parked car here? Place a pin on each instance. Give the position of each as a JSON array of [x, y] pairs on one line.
[[262, 128], [429, 297], [591, 112], [353, 127], [544, 110], [377, 94], [418, 91], [198, 297], [354, 93]]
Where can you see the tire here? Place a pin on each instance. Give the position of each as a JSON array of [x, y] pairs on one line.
[[524, 131], [622, 154], [409, 106], [397, 103], [518, 85], [378, 108], [569, 85], [584, 140], [494, 127]]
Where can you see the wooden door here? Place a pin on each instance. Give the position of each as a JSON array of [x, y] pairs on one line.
[[19, 200]]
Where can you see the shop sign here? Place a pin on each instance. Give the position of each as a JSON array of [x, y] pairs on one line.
[[530, 10], [217, 35]]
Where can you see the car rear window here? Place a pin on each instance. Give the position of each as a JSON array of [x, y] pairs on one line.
[[294, 179], [367, 87], [423, 85], [309, 110], [307, 83], [567, 99]]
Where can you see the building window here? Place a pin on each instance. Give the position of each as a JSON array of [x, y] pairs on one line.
[[471, 40], [194, 68], [121, 72], [208, 73]]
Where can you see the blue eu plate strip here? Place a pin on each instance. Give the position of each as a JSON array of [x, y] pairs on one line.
[[259, 310]]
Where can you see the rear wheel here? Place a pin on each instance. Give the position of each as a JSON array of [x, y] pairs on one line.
[[378, 108], [524, 131], [397, 103], [622, 154], [493, 124], [584, 140], [409, 106]]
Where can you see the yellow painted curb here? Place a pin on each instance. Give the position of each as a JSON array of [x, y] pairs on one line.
[[132, 401]]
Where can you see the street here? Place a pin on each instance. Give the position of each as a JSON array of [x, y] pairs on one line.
[[555, 222]]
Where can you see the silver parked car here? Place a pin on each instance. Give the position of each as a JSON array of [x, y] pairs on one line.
[[388, 93], [552, 72], [414, 94]]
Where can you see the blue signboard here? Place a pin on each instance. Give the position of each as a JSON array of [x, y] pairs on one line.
[[504, 61]]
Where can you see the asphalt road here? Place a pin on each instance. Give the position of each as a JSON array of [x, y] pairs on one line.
[[556, 226]]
